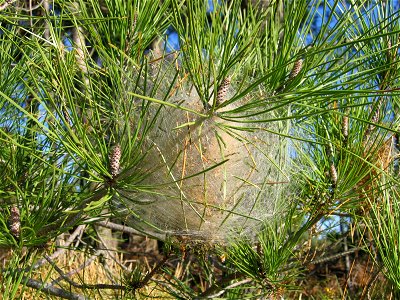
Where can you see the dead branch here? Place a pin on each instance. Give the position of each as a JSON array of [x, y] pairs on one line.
[[233, 285], [60, 251], [67, 276], [127, 229], [51, 290], [31, 8], [6, 4], [146, 279], [218, 285]]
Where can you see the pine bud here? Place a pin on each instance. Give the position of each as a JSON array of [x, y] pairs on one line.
[[134, 21], [130, 34], [329, 150], [66, 116], [296, 68], [115, 157], [345, 126], [223, 89], [375, 117], [333, 174], [15, 221], [389, 50]]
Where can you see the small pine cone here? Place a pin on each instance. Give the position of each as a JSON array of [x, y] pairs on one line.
[[134, 21], [389, 51], [329, 150], [374, 120], [397, 141], [66, 116], [15, 221], [375, 117], [333, 174], [345, 126], [115, 157], [223, 89], [130, 34], [296, 68]]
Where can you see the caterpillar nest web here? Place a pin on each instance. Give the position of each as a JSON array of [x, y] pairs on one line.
[[206, 180]]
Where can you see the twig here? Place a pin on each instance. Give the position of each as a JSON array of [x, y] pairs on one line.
[[32, 7], [126, 229], [78, 240], [212, 289], [367, 288], [81, 286], [233, 285], [332, 257], [9, 2], [51, 290], [74, 217], [101, 286], [162, 57], [60, 251], [48, 288], [6, 4], [146, 279], [349, 283], [46, 8], [109, 255], [371, 282], [59, 271], [69, 274]]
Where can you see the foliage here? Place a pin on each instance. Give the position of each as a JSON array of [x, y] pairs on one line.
[[234, 150]]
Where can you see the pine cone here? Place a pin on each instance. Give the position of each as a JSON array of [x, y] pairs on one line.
[[223, 89], [296, 68], [15, 221], [115, 157]]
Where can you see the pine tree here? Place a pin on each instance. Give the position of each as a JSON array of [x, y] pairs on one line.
[[238, 151]]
